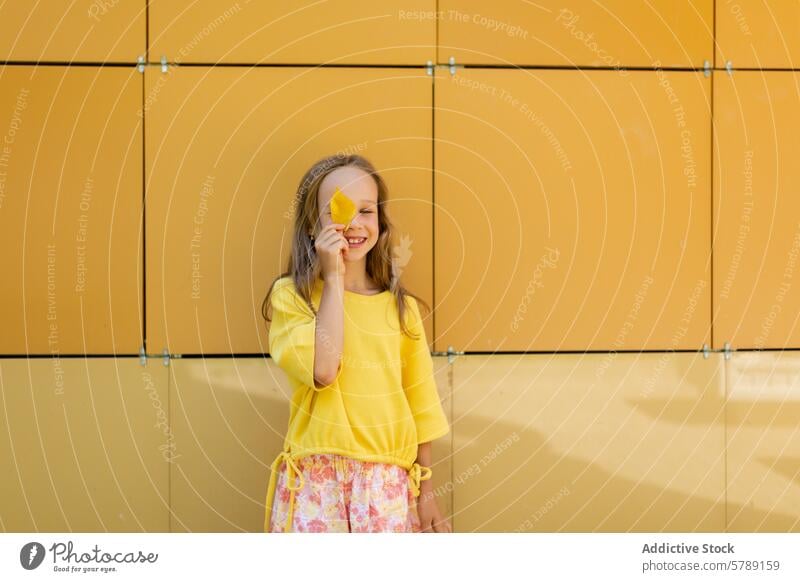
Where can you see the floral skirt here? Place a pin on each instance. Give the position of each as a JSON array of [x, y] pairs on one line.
[[341, 494]]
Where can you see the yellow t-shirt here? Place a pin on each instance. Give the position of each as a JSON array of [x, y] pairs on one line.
[[383, 402]]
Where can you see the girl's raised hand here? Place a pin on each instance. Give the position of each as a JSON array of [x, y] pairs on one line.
[[330, 244]]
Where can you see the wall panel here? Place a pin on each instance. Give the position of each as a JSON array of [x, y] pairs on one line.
[[572, 210], [593, 442], [229, 417], [226, 149], [758, 34], [71, 210], [346, 31], [763, 442], [62, 31], [756, 210], [86, 445], [612, 33]]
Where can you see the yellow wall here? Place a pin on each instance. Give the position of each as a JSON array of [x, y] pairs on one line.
[[583, 198]]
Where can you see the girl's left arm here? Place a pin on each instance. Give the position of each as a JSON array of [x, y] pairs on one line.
[[430, 419], [430, 517]]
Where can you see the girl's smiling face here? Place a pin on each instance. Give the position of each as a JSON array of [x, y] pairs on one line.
[[361, 189]]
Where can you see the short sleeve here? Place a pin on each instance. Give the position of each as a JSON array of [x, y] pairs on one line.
[[419, 382], [292, 335]]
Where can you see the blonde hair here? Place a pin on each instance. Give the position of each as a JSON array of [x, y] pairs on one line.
[[303, 266]]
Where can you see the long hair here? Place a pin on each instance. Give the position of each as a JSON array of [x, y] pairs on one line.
[[303, 266]]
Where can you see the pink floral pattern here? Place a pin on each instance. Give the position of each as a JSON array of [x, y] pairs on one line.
[[341, 494]]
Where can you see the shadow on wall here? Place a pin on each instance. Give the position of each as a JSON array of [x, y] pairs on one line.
[[530, 486]]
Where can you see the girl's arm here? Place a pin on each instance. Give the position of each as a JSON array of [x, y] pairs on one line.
[[424, 458], [329, 331], [430, 517], [429, 417]]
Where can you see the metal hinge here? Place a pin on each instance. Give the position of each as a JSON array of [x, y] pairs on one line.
[[706, 351], [165, 356], [729, 68], [451, 354], [727, 350], [707, 68], [451, 65], [140, 63]]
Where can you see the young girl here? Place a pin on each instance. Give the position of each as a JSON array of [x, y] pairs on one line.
[[364, 404]]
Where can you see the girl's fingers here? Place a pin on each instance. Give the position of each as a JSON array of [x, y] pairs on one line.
[[333, 227], [333, 230], [328, 237]]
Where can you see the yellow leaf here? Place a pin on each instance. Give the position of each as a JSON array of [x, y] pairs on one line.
[[343, 210]]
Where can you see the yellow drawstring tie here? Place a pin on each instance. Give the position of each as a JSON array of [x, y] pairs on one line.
[[415, 475], [291, 470]]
